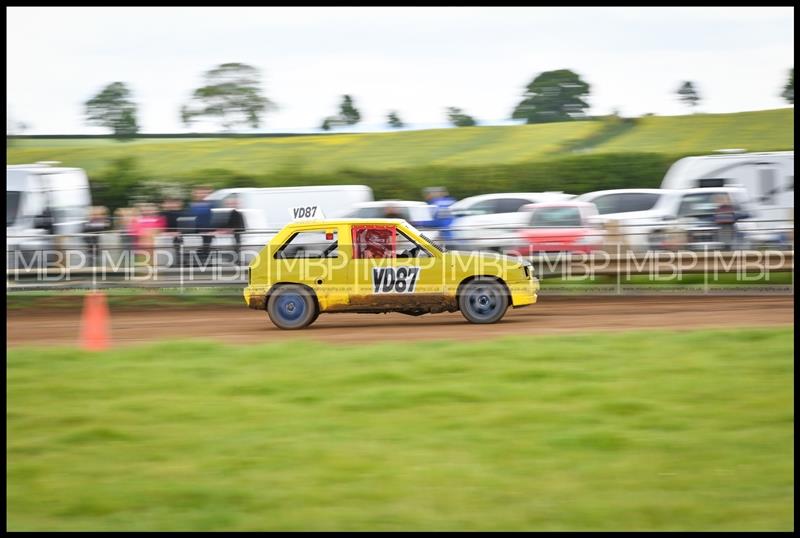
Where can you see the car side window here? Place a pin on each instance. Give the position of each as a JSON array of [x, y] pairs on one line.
[[310, 244], [484, 208], [374, 241], [510, 205], [408, 248]]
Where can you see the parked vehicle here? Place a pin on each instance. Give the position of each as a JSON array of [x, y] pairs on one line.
[[767, 178], [559, 227], [491, 221], [266, 210], [416, 213], [44, 203], [644, 216]]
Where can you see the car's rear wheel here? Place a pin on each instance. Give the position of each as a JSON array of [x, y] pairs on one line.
[[292, 307], [483, 301]]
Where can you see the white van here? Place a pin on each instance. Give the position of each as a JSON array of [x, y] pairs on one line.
[[42, 202], [767, 178], [267, 210]]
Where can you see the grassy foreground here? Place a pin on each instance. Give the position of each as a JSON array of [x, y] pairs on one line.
[[654, 431]]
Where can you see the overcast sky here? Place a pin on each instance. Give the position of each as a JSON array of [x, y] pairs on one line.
[[417, 60]]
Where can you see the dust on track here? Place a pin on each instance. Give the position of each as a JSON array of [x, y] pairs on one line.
[[551, 315]]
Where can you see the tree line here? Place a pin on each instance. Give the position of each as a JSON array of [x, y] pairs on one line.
[[231, 95]]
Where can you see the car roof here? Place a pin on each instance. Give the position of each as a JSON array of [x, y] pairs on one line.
[[711, 189], [386, 203], [625, 191], [340, 222], [565, 203], [495, 195]]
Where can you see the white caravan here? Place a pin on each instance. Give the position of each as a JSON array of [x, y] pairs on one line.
[[767, 178], [42, 202]]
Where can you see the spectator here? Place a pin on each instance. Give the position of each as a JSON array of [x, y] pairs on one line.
[[439, 198], [391, 211], [124, 222], [172, 211], [147, 226], [725, 219], [200, 209], [98, 222], [231, 221]]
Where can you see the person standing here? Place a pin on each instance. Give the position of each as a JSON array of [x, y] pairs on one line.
[[172, 211], [440, 199], [98, 222], [725, 219], [200, 210], [231, 221]]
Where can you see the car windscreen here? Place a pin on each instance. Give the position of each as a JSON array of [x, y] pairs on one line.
[[12, 206], [556, 217], [625, 202]]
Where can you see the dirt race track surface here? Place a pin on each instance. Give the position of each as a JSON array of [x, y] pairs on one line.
[[550, 315]]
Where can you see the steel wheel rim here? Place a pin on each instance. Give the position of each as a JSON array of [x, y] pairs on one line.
[[483, 302], [290, 306]]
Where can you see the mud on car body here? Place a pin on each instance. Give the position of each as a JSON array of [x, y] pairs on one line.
[[378, 266]]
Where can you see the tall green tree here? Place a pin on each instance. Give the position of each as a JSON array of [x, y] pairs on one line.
[[553, 96], [231, 95], [788, 89], [348, 115], [113, 109], [689, 94], [457, 117], [394, 120]]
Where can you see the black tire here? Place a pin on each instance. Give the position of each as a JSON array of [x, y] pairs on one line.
[[292, 307], [483, 301]]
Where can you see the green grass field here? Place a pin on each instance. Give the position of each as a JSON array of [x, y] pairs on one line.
[[763, 130], [632, 431], [474, 146]]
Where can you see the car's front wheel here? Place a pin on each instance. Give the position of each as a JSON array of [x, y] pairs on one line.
[[292, 307], [483, 301]]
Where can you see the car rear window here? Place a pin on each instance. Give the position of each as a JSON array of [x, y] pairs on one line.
[[625, 202], [556, 217]]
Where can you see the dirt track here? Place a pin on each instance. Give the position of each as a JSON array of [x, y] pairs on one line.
[[550, 315]]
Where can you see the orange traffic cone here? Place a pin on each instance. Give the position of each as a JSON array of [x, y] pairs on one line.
[[95, 326]]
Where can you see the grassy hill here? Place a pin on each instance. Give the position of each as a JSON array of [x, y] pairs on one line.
[[321, 153], [764, 130], [464, 147], [574, 157]]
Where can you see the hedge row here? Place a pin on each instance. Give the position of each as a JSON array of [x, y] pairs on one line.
[[125, 181]]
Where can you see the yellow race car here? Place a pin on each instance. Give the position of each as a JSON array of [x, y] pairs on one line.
[[379, 265]]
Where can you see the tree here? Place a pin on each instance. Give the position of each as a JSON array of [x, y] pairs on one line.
[[231, 94], [457, 117], [348, 115], [553, 96], [688, 94], [788, 90], [113, 108], [394, 120]]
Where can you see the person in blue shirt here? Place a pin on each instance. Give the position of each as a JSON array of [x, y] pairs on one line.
[[200, 209], [440, 199]]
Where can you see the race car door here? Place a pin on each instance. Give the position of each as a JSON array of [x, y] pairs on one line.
[[391, 271], [313, 256]]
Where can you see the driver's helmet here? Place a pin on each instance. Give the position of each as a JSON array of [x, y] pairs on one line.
[[377, 243]]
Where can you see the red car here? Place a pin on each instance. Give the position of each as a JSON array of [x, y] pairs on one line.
[[560, 227]]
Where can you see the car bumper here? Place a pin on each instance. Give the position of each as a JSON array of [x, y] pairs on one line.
[[524, 293], [255, 298]]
